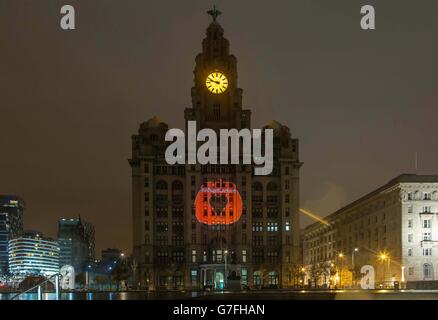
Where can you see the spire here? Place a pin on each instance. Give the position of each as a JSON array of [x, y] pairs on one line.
[[214, 13]]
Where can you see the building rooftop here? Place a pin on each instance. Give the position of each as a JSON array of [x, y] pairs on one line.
[[11, 200], [403, 178]]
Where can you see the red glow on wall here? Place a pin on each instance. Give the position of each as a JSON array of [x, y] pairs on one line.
[[218, 202]]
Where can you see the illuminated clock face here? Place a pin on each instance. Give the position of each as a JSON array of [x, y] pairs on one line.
[[216, 82]]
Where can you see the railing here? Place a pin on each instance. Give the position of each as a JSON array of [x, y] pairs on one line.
[[40, 289]]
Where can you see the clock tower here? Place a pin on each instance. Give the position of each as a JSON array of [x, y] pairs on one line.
[[172, 247], [216, 96]]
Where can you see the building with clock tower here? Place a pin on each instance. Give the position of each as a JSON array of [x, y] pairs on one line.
[[172, 248]]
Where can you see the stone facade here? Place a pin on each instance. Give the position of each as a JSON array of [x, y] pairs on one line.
[[392, 228], [171, 248]]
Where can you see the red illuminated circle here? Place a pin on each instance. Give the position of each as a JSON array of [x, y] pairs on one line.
[[218, 203]]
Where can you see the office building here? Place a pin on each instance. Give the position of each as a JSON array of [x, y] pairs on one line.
[[76, 242], [394, 229], [33, 254], [11, 226], [173, 247]]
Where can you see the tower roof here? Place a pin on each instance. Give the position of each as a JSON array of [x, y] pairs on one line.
[[214, 13], [154, 122]]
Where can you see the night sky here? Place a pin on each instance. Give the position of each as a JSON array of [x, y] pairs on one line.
[[361, 102]]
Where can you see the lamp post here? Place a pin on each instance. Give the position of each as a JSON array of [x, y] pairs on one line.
[[353, 267], [331, 275], [303, 273], [87, 277], [110, 278], [225, 276], [402, 277], [384, 257], [341, 257]]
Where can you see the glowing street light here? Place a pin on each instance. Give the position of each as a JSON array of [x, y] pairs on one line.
[[303, 276], [353, 266], [341, 257], [225, 258], [383, 256], [403, 276]]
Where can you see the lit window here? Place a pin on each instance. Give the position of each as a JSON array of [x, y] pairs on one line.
[[427, 236], [193, 256], [427, 252], [272, 226], [427, 223]]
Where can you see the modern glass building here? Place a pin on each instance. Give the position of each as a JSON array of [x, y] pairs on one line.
[[32, 254], [11, 225], [76, 243]]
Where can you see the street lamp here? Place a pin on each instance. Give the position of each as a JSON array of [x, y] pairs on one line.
[[353, 268], [110, 278], [87, 276], [303, 274], [331, 275], [225, 277], [383, 256], [403, 276], [341, 257]]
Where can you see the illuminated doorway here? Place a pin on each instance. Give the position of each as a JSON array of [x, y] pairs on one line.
[[219, 281]]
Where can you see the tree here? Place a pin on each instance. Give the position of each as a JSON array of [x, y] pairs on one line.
[[315, 273], [80, 279], [296, 274], [120, 273], [100, 280]]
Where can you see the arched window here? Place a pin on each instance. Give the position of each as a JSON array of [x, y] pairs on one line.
[[177, 185], [161, 185], [177, 191], [427, 271], [273, 278], [257, 278], [257, 186], [272, 186]]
